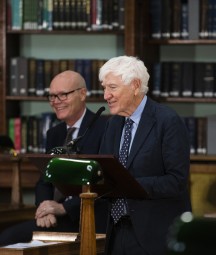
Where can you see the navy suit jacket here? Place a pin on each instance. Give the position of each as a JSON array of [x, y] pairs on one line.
[[89, 144], [159, 160]]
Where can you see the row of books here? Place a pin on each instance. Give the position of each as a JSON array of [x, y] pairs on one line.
[[202, 134], [32, 77], [29, 132], [65, 14], [183, 79], [183, 19]]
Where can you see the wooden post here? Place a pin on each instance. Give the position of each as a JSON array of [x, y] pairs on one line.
[[16, 195], [87, 224]]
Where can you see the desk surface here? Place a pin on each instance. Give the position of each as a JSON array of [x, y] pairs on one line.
[[60, 248]]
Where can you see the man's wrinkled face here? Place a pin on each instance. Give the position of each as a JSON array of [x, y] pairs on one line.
[[118, 95]]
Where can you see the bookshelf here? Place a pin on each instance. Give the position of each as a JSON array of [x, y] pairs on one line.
[[168, 49], [203, 167], [31, 43]]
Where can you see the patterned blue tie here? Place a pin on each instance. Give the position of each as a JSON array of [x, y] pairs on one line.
[[118, 208]]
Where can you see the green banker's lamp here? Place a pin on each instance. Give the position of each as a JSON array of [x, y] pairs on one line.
[[73, 171], [190, 235], [81, 172]]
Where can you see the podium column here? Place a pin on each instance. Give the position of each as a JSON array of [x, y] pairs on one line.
[[87, 231]]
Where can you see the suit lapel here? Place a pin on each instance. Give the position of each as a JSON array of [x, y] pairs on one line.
[[120, 125], [145, 125]]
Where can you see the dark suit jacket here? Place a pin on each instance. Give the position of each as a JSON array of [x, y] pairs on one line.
[[159, 160], [89, 144]]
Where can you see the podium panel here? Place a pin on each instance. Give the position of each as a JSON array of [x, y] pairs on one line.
[[118, 182]]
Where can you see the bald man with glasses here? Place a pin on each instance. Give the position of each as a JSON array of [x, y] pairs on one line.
[[67, 97]]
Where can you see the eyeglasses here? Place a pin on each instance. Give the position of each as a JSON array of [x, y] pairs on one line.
[[61, 96]]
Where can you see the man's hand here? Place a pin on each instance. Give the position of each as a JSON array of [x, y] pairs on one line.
[[49, 207], [47, 221]]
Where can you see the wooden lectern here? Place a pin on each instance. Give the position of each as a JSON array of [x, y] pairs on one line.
[[116, 181]]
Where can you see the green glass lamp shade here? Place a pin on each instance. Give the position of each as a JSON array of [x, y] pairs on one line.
[[73, 171], [191, 235]]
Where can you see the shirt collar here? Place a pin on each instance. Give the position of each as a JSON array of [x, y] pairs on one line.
[[79, 121], [136, 116]]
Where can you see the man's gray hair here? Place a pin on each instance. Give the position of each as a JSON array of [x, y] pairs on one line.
[[129, 68]]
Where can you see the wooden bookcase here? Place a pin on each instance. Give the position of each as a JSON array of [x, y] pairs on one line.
[[203, 167], [10, 46]]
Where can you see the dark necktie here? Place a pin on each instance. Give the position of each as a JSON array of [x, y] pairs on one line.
[[118, 208], [57, 194], [68, 138]]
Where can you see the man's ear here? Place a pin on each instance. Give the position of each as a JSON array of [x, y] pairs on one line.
[[83, 93], [136, 84]]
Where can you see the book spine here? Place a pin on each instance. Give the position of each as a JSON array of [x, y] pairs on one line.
[[88, 15], [67, 13], [71, 64], [208, 80], [39, 77], [24, 134], [27, 15], [40, 14], [30, 134], [203, 21], [121, 14], [193, 19], [55, 67], [175, 18], [187, 79], [155, 10], [94, 78], [31, 76], [17, 14], [184, 19], [47, 120], [17, 134], [47, 75], [166, 19], [11, 129], [198, 80], [87, 74], [50, 15], [100, 91], [14, 90], [97, 15], [63, 65], [115, 14], [156, 79], [175, 76], [214, 21], [73, 14], [211, 137], [56, 17], [35, 135], [23, 76], [191, 124], [201, 135], [9, 14], [61, 15], [165, 79]]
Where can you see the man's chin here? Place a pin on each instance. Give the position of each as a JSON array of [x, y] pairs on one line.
[[61, 117]]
